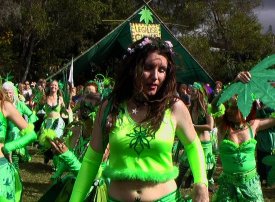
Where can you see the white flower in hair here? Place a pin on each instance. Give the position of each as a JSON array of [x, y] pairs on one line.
[[169, 44], [130, 50], [146, 41]]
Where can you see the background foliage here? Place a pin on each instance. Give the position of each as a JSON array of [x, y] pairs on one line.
[[39, 37]]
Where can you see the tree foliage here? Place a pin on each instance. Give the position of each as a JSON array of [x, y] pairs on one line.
[[39, 37]]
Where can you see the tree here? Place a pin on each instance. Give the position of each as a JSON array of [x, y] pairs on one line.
[[39, 37]]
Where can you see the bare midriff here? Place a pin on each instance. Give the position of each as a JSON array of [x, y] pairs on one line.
[[53, 115], [135, 190]]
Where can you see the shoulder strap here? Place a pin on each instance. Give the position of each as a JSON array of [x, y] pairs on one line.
[[250, 131]]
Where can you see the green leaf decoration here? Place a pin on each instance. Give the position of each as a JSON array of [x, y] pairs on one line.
[[259, 87], [146, 16], [9, 77], [38, 95]]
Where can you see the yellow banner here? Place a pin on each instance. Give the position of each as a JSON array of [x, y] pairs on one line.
[[139, 30]]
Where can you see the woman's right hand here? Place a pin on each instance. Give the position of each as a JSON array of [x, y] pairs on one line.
[[200, 193], [243, 76], [58, 146], [7, 156]]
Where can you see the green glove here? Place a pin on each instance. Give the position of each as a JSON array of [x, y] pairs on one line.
[[27, 136], [86, 175], [71, 161], [196, 160]]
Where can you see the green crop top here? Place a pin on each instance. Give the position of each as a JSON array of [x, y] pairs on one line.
[[238, 158], [3, 127], [56, 108], [135, 156]]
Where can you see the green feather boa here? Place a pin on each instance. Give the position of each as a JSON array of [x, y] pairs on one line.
[[47, 134]]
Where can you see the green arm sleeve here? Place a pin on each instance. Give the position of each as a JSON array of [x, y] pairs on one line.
[[61, 168], [27, 136], [217, 111], [24, 109], [32, 118], [86, 175], [71, 161], [196, 160]]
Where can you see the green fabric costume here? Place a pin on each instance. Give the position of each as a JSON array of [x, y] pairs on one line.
[[266, 149], [10, 183], [210, 159], [14, 132], [69, 163], [137, 155], [71, 160], [56, 124], [134, 155], [239, 180]]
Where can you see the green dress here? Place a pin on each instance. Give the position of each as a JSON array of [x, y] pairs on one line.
[[56, 124], [239, 180], [14, 132], [10, 183]]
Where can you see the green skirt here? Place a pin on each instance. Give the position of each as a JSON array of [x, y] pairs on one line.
[[10, 183], [239, 187]]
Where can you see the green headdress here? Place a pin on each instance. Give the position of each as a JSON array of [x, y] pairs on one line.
[[104, 84], [197, 86], [259, 87]]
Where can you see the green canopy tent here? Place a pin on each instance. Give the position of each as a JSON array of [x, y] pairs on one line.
[[104, 54]]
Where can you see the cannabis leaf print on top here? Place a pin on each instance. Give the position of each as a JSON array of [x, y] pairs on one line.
[[139, 139]]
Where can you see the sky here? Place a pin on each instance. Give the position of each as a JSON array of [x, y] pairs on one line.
[[266, 14]]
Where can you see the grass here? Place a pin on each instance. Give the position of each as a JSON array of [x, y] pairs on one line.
[[35, 176]]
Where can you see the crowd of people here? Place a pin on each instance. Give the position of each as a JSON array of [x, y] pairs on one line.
[[140, 136]]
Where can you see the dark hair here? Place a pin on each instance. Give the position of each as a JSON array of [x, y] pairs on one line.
[[131, 70], [93, 101], [202, 100]]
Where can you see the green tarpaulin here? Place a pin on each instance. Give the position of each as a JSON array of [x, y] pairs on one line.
[[110, 49]]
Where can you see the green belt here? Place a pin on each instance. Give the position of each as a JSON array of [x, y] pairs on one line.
[[240, 177]]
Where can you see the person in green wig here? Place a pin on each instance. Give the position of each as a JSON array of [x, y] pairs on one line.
[[10, 182], [13, 131], [139, 121], [239, 180]]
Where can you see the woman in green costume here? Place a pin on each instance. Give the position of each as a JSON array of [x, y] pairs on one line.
[[239, 180], [13, 131], [53, 105], [70, 152], [10, 183], [139, 121]]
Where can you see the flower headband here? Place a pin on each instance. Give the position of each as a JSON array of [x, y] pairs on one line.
[[146, 41]]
